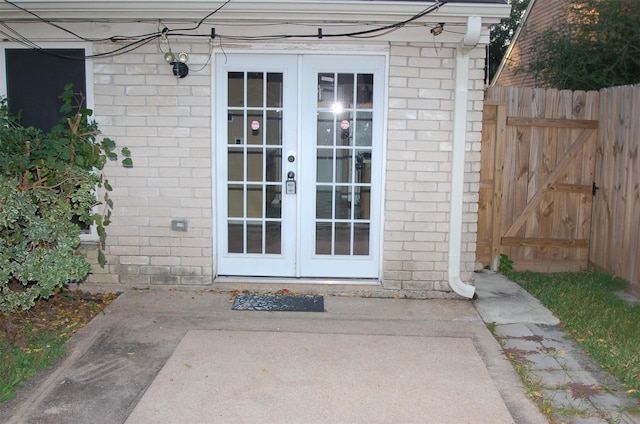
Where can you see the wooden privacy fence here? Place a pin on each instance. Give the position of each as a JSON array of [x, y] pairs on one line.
[[536, 180], [559, 180], [616, 213]]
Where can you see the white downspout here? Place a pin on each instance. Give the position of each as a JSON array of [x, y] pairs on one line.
[[470, 40]]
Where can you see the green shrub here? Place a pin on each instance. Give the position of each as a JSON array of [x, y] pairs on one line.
[[49, 185]]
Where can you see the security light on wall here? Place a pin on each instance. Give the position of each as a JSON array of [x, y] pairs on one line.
[[180, 68], [437, 30]]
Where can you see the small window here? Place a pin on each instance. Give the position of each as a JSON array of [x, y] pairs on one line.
[[35, 79]]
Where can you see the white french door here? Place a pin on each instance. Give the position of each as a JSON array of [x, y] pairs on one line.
[[298, 168]]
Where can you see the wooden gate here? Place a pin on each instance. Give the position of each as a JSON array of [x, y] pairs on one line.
[[536, 178]]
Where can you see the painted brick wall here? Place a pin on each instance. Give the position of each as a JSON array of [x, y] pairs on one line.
[[419, 145], [166, 122]]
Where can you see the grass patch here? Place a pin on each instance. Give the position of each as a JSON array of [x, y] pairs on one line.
[[605, 326], [33, 340]]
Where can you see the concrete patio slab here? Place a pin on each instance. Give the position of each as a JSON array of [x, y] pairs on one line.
[[277, 377], [394, 360]]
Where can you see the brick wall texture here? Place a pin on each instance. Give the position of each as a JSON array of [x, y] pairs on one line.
[[166, 122]]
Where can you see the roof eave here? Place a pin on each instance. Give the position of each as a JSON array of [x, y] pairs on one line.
[[250, 10]]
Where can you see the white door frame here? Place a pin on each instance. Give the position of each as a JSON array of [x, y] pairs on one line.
[[300, 76]]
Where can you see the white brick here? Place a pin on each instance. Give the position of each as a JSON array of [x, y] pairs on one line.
[[167, 123]]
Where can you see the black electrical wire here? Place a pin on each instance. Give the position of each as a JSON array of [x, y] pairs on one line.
[[205, 18], [144, 39], [21, 38], [355, 34], [61, 28]]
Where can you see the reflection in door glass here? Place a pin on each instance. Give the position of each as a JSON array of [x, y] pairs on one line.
[[344, 96], [235, 193], [254, 160], [324, 165], [365, 91], [363, 129], [342, 244], [273, 131], [343, 202], [274, 90], [344, 130], [272, 234], [324, 241], [254, 237], [255, 126], [235, 230], [361, 239], [324, 202], [343, 163], [326, 126], [235, 164], [274, 165], [235, 97], [255, 89]]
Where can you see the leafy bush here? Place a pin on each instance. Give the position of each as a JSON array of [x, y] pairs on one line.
[[48, 189]]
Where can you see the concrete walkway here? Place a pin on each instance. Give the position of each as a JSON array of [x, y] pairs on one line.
[[186, 357]]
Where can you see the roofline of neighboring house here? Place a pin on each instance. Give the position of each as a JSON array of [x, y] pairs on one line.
[[263, 10], [505, 58]]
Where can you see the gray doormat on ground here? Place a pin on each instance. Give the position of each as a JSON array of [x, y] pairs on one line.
[[278, 302]]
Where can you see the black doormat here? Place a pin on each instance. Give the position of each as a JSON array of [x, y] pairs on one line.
[[278, 302]]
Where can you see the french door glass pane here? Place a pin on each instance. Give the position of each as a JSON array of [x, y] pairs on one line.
[[236, 237], [235, 193], [324, 202], [363, 134], [365, 91], [272, 234], [344, 96], [254, 160], [254, 237], [255, 89], [343, 202], [254, 126], [343, 128], [361, 239], [236, 89], [343, 163], [324, 166], [324, 240], [342, 239], [273, 130], [274, 90], [326, 126]]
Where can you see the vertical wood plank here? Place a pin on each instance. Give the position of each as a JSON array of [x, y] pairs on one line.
[[485, 195], [633, 223], [498, 197]]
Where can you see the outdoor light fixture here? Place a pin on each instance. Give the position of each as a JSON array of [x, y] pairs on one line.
[[180, 68], [437, 30]]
